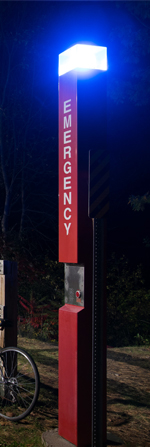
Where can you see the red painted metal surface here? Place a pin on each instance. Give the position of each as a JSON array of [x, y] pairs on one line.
[[74, 396], [68, 372], [68, 189]]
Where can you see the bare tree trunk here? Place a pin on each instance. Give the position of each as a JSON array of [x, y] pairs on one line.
[[6, 213], [23, 207], [4, 219], [8, 182]]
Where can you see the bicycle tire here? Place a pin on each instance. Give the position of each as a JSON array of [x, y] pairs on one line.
[[19, 384]]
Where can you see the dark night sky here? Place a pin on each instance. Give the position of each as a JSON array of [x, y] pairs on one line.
[[59, 25]]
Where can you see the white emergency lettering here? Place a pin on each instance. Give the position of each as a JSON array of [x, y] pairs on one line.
[[67, 198], [67, 123], [67, 137], [67, 227], [65, 213], [67, 151], [67, 104], [67, 164], [67, 182]]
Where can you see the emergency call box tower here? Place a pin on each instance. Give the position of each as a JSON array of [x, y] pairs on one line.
[[83, 198]]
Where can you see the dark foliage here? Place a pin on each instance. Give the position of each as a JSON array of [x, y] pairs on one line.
[[128, 310]]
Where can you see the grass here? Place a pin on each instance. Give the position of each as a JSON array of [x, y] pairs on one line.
[[128, 397], [27, 433]]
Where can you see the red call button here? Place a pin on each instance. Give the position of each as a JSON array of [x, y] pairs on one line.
[[78, 294]]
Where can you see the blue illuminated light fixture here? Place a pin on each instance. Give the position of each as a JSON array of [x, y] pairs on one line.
[[91, 57]]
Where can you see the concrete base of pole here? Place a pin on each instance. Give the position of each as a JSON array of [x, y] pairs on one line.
[[51, 438]]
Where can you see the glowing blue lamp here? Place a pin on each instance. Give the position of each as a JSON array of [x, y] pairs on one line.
[[80, 56]]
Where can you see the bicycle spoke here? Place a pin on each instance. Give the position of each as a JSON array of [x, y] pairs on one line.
[[19, 384]]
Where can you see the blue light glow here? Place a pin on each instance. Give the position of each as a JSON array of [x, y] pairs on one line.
[[80, 56]]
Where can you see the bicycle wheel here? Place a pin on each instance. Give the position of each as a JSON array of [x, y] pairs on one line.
[[19, 384]]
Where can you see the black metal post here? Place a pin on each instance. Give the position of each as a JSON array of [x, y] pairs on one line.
[[99, 437]]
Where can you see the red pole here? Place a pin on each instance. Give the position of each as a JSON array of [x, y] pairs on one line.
[[76, 250]]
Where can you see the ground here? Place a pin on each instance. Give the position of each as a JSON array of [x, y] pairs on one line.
[[128, 397], [128, 394]]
